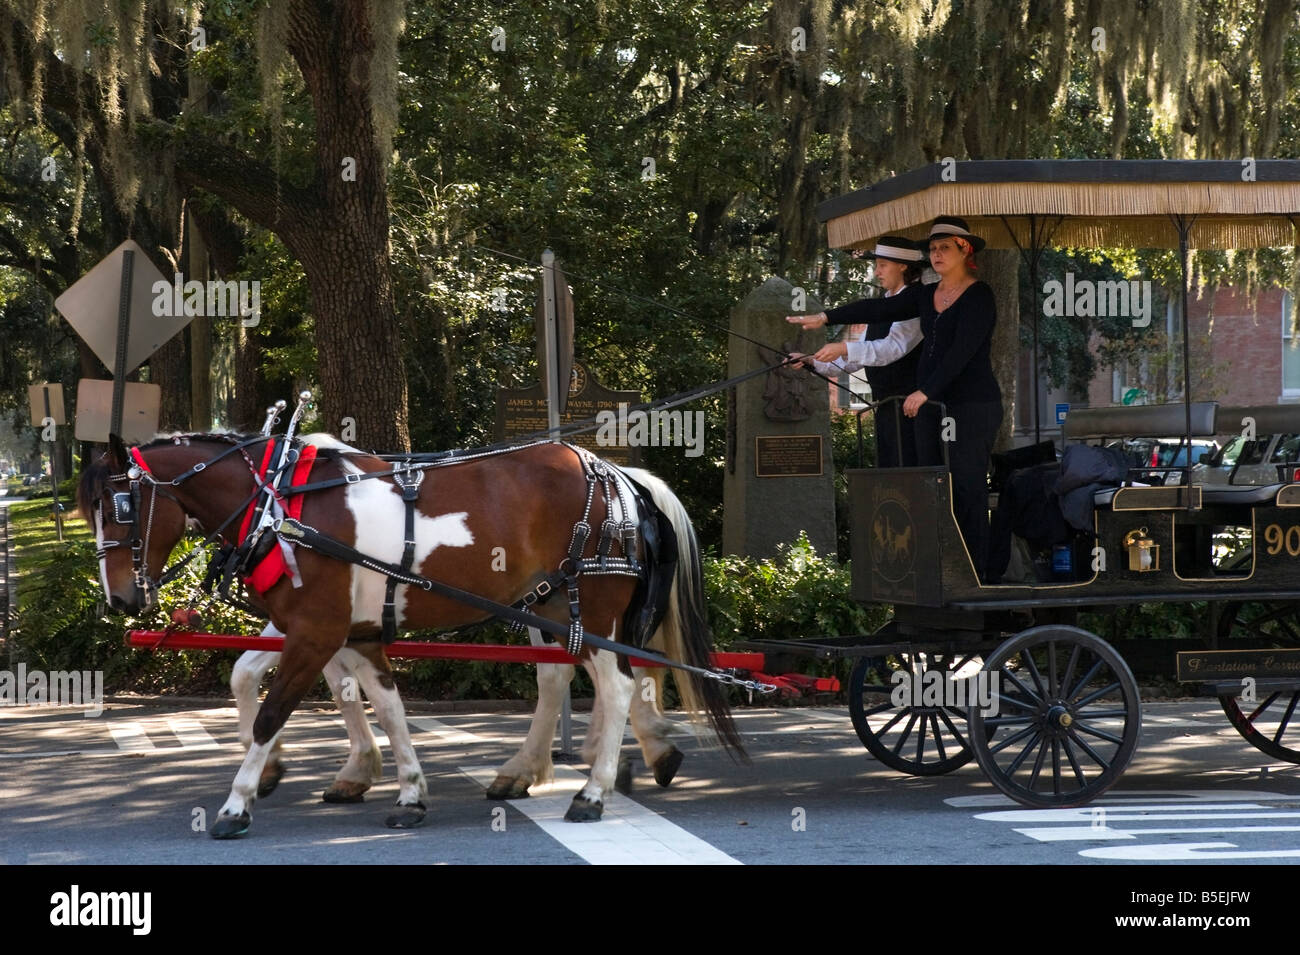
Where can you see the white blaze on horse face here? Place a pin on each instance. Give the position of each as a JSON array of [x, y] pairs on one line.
[[103, 558], [380, 517]]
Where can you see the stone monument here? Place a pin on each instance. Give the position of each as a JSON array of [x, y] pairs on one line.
[[779, 477]]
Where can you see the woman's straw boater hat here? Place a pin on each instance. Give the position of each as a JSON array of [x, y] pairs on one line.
[[945, 227], [894, 248]]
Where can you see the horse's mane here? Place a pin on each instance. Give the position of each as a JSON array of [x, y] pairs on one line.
[[95, 475]]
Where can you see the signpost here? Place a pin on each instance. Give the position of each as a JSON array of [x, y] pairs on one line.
[[47, 413], [112, 308]]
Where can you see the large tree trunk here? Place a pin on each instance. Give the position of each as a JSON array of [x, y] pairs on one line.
[[343, 244], [1001, 269]]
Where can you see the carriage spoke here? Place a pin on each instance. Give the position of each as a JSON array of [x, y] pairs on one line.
[[1051, 668], [938, 736], [1083, 745], [1098, 714], [1038, 765], [1100, 734], [1069, 668], [1096, 695], [879, 709], [1033, 671], [1263, 706], [955, 732], [920, 738], [1031, 707], [1074, 763], [1015, 738], [890, 725], [1015, 763], [1286, 718], [907, 731], [1009, 721], [1056, 767], [1020, 686], [1085, 679]]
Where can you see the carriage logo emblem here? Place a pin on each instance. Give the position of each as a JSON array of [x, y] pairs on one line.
[[891, 541]]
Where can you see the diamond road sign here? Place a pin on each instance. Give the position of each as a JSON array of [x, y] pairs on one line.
[[91, 308]]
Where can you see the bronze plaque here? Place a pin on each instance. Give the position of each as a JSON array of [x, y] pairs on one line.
[[523, 411], [795, 455], [1195, 666]]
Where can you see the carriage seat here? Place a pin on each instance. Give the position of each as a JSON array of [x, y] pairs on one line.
[[1257, 495], [1140, 421]]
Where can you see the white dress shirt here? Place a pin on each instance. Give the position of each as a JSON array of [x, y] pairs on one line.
[[902, 338]]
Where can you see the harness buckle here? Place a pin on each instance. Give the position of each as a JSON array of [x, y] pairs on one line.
[[352, 478]]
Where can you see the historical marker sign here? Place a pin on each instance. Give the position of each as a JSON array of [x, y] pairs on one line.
[[788, 455], [523, 411]]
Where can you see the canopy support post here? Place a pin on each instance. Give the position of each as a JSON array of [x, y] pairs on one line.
[[1030, 257], [1184, 226]]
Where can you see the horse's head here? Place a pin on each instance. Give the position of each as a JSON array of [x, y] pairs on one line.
[[137, 523]]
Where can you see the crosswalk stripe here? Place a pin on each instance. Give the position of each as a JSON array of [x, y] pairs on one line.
[[131, 737], [191, 734], [627, 834]]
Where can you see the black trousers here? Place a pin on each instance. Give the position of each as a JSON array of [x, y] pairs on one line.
[[975, 428], [895, 434]]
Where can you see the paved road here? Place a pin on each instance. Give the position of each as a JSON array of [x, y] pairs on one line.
[[125, 788]]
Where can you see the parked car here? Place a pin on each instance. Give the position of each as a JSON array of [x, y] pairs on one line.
[[1271, 456], [1156, 460], [1267, 459]]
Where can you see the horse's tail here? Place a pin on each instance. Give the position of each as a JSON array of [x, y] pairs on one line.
[[684, 632]]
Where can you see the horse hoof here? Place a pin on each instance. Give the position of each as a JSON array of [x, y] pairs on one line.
[[666, 766], [345, 791], [231, 827], [508, 787], [623, 781], [583, 810], [271, 777], [407, 817]]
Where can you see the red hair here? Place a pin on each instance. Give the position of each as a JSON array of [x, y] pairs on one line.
[[970, 253]]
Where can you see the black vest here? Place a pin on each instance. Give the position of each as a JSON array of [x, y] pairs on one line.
[[896, 379]]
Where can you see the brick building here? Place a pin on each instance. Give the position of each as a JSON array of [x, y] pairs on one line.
[[1239, 356]]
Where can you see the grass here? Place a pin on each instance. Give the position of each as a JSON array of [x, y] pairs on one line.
[[33, 537]]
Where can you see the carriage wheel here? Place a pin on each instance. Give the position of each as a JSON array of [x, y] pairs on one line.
[[1065, 717], [1272, 723], [917, 740]]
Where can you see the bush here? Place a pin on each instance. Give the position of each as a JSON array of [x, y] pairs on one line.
[[798, 594]]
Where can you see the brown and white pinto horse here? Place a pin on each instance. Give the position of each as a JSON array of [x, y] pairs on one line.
[[494, 526]]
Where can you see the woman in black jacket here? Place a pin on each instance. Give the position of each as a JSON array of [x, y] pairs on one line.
[[957, 317], [887, 350]]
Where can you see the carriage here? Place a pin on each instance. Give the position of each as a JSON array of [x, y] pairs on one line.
[[1002, 672]]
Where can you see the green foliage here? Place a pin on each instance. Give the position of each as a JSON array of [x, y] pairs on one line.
[[799, 594]]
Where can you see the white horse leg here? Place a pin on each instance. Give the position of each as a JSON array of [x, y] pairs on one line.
[[614, 692], [237, 813], [532, 764], [652, 729], [382, 693], [246, 683], [365, 764]]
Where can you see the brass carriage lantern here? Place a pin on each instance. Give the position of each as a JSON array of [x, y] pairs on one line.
[[1143, 552]]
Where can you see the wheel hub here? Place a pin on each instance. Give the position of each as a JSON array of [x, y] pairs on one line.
[[1058, 719]]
